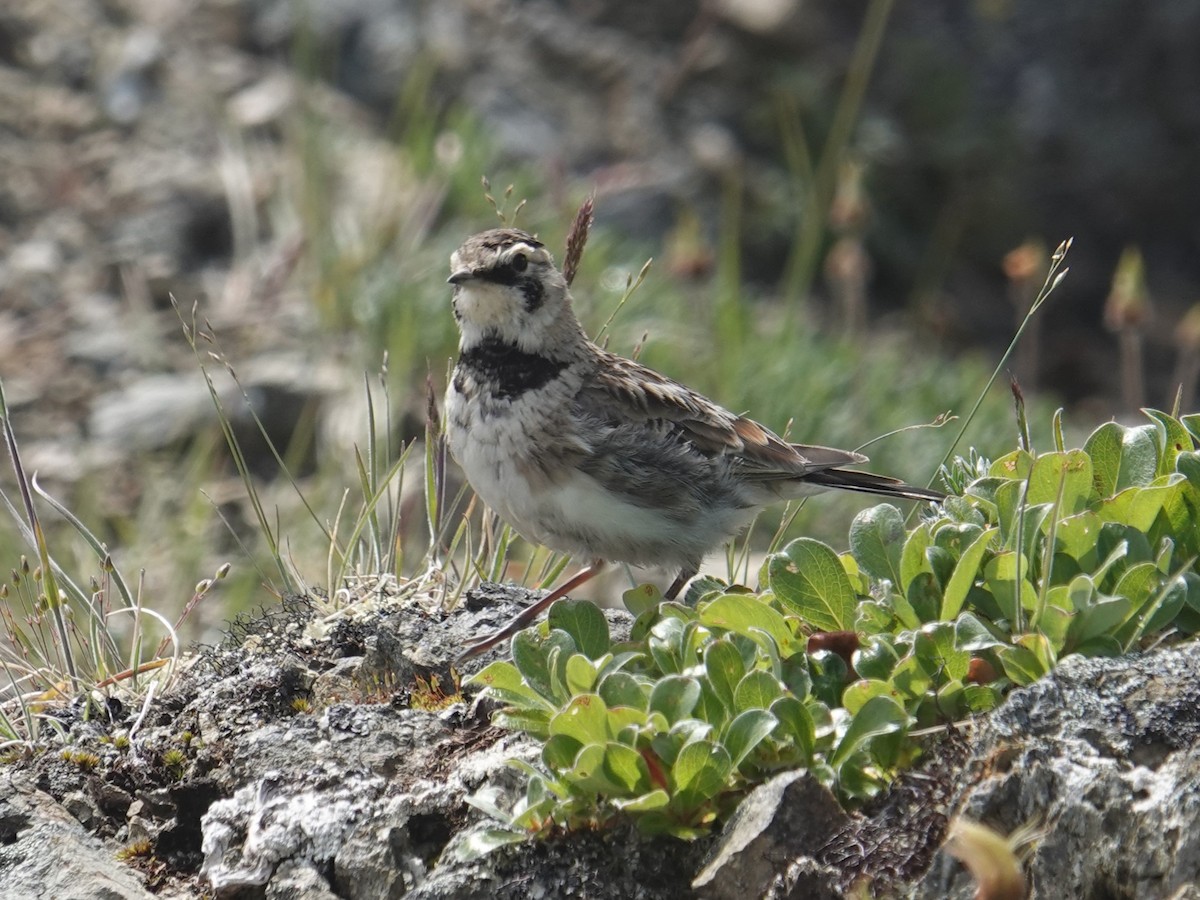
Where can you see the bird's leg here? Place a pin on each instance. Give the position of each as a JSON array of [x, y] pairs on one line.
[[684, 576], [531, 612]]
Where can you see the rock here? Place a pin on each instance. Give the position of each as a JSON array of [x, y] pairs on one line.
[[791, 815], [1103, 757], [153, 412], [377, 860], [297, 880], [279, 817], [45, 852]]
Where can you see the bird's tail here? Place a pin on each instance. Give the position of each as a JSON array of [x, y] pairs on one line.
[[868, 483]]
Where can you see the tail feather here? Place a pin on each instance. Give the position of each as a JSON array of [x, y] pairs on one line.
[[869, 483]]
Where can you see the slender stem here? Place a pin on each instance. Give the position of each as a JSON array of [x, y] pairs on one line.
[[802, 264]]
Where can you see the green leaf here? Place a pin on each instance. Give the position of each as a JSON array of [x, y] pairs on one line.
[[796, 723], [924, 596], [705, 587], [880, 715], [559, 752], [1020, 665], [724, 666], [903, 610], [642, 598], [653, 800], [828, 676], [1013, 593], [860, 582], [580, 674], [1121, 457], [1103, 447], [625, 767], [1173, 439], [858, 693], [746, 731], [743, 613], [1193, 589], [1014, 466], [949, 700], [1071, 471], [757, 690], [1188, 465], [963, 511], [532, 722], [942, 561], [935, 643], [796, 677], [955, 537], [877, 617], [1138, 583], [1077, 536], [875, 657], [1054, 622], [1192, 424], [588, 775], [912, 677], [767, 651], [1118, 558], [486, 800], [980, 698], [532, 656], [1081, 592], [478, 844], [1181, 510], [1167, 603], [983, 492], [675, 696], [1018, 517], [623, 689], [657, 823], [808, 577], [700, 770], [913, 560], [1138, 507], [1041, 648], [696, 636], [666, 642], [1103, 645], [877, 540], [622, 659], [711, 708], [624, 722], [966, 572], [503, 682], [972, 635], [585, 719], [584, 622]]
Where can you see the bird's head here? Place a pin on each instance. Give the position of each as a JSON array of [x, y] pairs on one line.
[[506, 286]]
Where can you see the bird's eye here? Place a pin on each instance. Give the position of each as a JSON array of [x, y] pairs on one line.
[[520, 262]]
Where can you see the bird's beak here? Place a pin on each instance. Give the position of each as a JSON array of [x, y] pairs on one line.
[[460, 276]]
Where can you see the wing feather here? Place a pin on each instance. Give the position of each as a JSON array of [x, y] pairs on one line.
[[630, 391]]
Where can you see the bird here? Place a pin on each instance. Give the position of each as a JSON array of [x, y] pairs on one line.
[[595, 455]]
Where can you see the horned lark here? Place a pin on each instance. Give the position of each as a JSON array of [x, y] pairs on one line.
[[597, 456]]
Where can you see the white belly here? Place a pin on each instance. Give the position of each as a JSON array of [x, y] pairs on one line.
[[525, 475]]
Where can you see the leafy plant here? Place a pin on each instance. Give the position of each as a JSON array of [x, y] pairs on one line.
[[835, 658], [673, 726]]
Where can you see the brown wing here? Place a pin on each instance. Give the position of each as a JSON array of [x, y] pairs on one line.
[[644, 394]]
